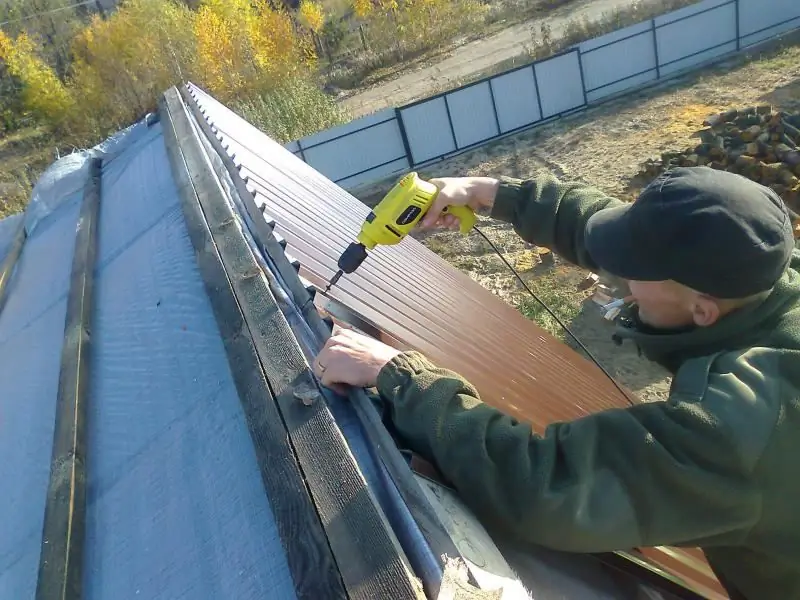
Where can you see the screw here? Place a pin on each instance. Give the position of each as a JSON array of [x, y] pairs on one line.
[[307, 395]]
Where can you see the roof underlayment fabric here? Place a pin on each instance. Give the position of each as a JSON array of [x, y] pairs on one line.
[[175, 503]]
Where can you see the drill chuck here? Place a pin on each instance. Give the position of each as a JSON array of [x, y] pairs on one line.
[[352, 257]]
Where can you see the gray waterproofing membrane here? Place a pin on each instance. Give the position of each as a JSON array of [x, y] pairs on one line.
[[176, 507], [31, 336]]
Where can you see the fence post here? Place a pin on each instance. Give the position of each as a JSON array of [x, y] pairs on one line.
[[583, 81], [404, 136], [655, 47], [450, 121], [738, 27], [494, 109], [538, 96]]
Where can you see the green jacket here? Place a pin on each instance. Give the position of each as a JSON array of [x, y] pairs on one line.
[[717, 465]]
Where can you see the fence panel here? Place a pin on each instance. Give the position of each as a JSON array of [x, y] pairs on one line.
[[516, 99], [389, 141], [695, 34], [373, 174], [619, 60], [428, 129], [294, 148], [373, 150], [348, 128], [560, 84], [473, 114], [760, 20]]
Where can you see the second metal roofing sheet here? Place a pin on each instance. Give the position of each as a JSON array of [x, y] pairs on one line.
[[414, 296]]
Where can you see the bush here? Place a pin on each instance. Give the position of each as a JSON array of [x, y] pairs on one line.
[[293, 110]]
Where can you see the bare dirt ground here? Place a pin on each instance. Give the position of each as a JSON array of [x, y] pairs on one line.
[[468, 59], [603, 147]]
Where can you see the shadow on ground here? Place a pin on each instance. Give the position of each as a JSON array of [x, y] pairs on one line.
[[786, 96]]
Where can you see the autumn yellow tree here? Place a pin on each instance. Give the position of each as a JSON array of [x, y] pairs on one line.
[[362, 8], [311, 15], [221, 58], [43, 94], [244, 47], [122, 63], [242, 51]]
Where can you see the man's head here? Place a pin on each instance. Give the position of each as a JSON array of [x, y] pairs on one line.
[[697, 244]]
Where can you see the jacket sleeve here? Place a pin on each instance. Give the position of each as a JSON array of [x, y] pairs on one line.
[[550, 213], [664, 473]]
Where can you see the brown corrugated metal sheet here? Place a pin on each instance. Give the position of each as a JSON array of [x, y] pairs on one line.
[[418, 300]]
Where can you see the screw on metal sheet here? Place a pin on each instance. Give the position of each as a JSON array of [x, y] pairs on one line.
[[306, 394], [254, 272]]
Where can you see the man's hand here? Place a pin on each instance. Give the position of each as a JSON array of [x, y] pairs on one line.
[[476, 192], [351, 358]]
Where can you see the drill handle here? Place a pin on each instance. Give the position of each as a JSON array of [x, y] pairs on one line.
[[465, 214]]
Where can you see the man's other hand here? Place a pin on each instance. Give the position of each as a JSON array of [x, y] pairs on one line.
[[351, 358]]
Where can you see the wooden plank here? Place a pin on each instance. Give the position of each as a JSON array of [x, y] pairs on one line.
[[311, 563], [366, 551], [10, 261], [61, 560]]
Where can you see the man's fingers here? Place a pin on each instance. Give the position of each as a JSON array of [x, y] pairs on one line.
[[339, 338], [329, 364], [433, 214]]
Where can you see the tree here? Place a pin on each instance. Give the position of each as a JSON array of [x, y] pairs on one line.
[[42, 93], [50, 23], [312, 15]]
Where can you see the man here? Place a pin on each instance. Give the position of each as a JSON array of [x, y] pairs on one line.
[[710, 260]]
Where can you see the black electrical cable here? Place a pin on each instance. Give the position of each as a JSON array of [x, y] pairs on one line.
[[552, 314]]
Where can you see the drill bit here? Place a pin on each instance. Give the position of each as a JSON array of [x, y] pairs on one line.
[[333, 281]]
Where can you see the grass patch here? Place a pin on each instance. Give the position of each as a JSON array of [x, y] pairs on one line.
[[781, 58], [559, 295], [24, 154]]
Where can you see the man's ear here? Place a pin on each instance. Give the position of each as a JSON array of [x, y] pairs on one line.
[[705, 310]]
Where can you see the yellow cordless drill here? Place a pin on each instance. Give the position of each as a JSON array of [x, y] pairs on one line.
[[393, 219]]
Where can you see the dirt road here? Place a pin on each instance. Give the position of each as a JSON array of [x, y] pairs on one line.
[[474, 57]]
